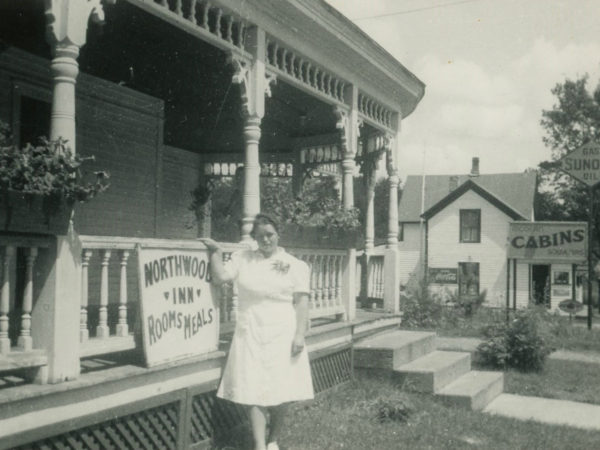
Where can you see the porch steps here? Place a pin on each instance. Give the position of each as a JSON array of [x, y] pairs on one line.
[[435, 370], [392, 349], [412, 356], [474, 390]]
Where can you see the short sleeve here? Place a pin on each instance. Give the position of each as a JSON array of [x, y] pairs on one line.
[[232, 267], [301, 277]]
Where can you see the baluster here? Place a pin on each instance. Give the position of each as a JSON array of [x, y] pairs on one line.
[[309, 73], [275, 54], [240, 31], [102, 330], [293, 65], [192, 14], [9, 252], [178, 8], [164, 3], [229, 29], [336, 88], [205, 12], [234, 303], [325, 79], [83, 325], [380, 278], [330, 280], [312, 296], [122, 327], [218, 22], [284, 59], [338, 279], [25, 342]]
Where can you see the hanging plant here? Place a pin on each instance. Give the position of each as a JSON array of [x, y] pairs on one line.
[[48, 173]]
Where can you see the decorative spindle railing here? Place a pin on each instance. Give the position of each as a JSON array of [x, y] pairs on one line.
[[18, 258], [217, 25], [374, 111], [327, 269], [375, 277], [110, 297], [304, 73]]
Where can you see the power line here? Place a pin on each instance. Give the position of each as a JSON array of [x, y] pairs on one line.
[[408, 11]]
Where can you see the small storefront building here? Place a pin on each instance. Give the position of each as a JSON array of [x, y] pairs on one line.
[[551, 257]]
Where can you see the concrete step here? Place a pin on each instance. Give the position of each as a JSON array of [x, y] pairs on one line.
[[393, 349], [432, 372], [474, 390]]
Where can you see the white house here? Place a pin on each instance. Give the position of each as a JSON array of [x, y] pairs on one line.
[[455, 229]]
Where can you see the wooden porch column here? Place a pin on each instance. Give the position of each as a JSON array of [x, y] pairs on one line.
[[66, 32], [255, 84], [391, 287], [347, 123], [56, 311]]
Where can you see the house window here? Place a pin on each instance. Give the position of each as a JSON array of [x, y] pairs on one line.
[[34, 120], [468, 279], [470, 225]]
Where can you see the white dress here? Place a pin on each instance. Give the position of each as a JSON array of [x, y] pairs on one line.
[[260, 369]]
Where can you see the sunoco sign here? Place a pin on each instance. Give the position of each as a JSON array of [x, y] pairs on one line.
[[583, 164], [548, 241]]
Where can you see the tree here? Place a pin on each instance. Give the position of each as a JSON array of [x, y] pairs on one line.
[[573, 121]]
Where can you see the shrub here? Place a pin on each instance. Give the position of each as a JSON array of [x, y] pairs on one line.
[[392, 409], [421, 308], [518, 344]]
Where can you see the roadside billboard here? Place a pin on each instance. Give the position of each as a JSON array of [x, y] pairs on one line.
[[548, 241]]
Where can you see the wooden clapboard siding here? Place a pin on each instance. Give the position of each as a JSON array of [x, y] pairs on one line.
[[410, 253], [181, 175], [445, 250]]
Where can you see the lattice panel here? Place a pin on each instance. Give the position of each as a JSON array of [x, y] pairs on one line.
[[331, 370], [210, 415], [305, 71], [154, 428]]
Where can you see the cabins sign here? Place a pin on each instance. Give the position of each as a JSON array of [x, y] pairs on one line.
[[548, 241], [583, 163], [178, 313]]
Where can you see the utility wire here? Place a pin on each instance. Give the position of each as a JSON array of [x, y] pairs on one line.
[[408, 11]]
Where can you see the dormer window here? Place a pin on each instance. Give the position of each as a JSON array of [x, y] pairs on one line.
[[470, 225]]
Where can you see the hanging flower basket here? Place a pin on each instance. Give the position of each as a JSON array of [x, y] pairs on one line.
[[39, 185], [30, 213]]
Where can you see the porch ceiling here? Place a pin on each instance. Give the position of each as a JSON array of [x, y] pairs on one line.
[[320, 32], [202, 106]]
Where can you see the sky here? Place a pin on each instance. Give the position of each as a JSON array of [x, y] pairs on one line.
[[489, 67]]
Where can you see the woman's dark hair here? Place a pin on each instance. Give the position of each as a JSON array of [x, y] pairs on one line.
[[263, 219]]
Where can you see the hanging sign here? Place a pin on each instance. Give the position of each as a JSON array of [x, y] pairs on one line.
[[179, 315], [548, 241], [583, 163]]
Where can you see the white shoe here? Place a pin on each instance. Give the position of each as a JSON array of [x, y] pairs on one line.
[[272, 446]]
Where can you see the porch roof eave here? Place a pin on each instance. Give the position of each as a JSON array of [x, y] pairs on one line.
[[339, 45]]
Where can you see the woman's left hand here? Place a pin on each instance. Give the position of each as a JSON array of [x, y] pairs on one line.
[[297, 345]]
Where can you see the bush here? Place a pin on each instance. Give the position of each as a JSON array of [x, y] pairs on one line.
[[421, 308], [393, 409], [519, 344]]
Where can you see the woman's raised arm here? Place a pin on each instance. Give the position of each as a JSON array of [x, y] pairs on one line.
[[217, 271]]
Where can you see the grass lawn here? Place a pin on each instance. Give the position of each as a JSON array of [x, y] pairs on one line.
[[557, 330], [563, 380], [345, 418]]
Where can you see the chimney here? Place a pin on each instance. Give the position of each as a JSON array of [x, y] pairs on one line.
[[474, 167], [452, 182]]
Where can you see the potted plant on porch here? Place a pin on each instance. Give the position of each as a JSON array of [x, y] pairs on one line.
[[40, 184]]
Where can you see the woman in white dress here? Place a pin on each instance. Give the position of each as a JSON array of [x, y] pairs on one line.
[[268, 366]]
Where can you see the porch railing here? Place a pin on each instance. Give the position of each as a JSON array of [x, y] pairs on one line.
[[370, 275], [110, 297], [327, 269], [19, 256]]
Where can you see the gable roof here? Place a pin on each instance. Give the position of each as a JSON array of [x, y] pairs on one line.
[[512, 192]]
